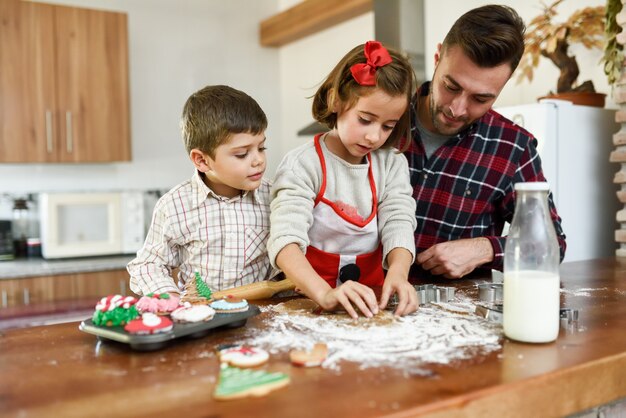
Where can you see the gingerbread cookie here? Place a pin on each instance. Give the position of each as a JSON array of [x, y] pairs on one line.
[[230, 304], [196, 291], [241, 356], [158, 303], [149, 324], [193, 313], [115, 310], [311, 358], [237, 383]]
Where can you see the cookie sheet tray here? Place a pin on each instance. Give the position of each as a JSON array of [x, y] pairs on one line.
[[151, 342]]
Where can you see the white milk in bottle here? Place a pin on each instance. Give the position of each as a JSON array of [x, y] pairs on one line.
[[531, 304], [531, 269]]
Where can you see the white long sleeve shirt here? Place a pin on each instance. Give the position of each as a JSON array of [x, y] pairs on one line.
[[298, 180]]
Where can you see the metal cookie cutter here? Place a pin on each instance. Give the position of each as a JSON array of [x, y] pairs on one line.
[[568, 315], [428, 293], [493, 312], [490, 292]]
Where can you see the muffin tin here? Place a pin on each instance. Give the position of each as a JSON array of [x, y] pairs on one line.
[[157, 341]]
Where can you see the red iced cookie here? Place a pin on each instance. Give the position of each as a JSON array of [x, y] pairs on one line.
[[149, 324]]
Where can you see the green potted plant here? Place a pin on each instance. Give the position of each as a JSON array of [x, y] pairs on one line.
[[613, 51], [548, 38]]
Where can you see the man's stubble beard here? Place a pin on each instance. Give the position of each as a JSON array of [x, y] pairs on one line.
[[441, 128]]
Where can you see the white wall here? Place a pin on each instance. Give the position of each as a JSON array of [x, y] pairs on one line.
[[440, 15], [303, 66], [304, 63], [175, 47]]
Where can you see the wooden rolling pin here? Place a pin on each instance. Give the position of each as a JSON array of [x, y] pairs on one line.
[[258, 290]]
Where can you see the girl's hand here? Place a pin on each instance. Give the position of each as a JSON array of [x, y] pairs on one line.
[[397, 281], [348, 294], [407, 296]]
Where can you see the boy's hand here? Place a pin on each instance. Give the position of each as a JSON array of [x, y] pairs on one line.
[[351, 293], [407, 296]]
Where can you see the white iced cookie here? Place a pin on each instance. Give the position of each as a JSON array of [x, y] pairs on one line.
[[241, 356], [193, 313]]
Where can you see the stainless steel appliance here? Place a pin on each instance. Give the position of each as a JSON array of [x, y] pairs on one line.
[[6, 241]]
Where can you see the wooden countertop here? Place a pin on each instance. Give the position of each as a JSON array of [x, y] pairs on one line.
[[59, 371]]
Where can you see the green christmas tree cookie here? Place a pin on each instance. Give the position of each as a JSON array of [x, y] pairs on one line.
[[235, 383], [203, 289], [196, 291]]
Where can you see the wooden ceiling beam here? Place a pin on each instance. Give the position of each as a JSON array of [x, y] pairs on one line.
[[307, 18]]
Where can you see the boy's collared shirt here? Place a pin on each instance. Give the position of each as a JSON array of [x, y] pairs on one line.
[[194, 229]]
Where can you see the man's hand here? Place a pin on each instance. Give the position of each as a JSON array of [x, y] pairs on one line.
[[455, 259]]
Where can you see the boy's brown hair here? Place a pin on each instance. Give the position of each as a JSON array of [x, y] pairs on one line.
[[212, 114], [489, 35], [396, 79]]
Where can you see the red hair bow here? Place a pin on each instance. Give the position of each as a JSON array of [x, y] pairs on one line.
[[377, 56]]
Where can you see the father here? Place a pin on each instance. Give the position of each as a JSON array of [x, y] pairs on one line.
[[464, 157]]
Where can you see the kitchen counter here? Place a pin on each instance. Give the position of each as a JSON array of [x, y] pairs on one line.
[[33, 267], [59, 371]]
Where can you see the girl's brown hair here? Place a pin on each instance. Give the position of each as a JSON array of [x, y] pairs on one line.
[[396, 79]]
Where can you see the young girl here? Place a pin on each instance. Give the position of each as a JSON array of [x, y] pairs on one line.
[[341, 206]]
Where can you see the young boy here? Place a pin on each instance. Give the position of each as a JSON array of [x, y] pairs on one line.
[[216, 223]]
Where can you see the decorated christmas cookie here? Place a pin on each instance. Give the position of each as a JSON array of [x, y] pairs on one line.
[[196, 291], [311, 358], [115, 310], [149, 324], [235, 383], [241, 356], [193, 313], [158, 303], [230, 304]]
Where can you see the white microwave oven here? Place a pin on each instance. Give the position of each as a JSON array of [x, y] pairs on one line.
[[91, 224]]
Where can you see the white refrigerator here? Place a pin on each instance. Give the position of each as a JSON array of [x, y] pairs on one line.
[[574, 144]]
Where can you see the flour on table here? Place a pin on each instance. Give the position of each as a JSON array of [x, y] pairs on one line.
[[584, 291], [436, 333]]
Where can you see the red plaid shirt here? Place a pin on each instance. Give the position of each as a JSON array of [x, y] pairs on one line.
[[466, 188]]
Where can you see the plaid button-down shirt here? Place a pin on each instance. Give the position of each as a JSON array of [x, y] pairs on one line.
[[193, 229], [466, 188]]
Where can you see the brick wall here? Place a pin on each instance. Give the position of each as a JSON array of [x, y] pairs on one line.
[[619, 140]]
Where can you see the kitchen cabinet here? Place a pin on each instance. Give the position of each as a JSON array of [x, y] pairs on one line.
[[63, 84], [65, 287], [307, 18]]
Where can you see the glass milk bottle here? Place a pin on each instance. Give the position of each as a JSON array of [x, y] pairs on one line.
[[531, 269]]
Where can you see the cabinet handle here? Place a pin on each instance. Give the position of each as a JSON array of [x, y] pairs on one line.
[[5, 299], [69, 142], [26, 294], [49, 131], [123, 287]]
